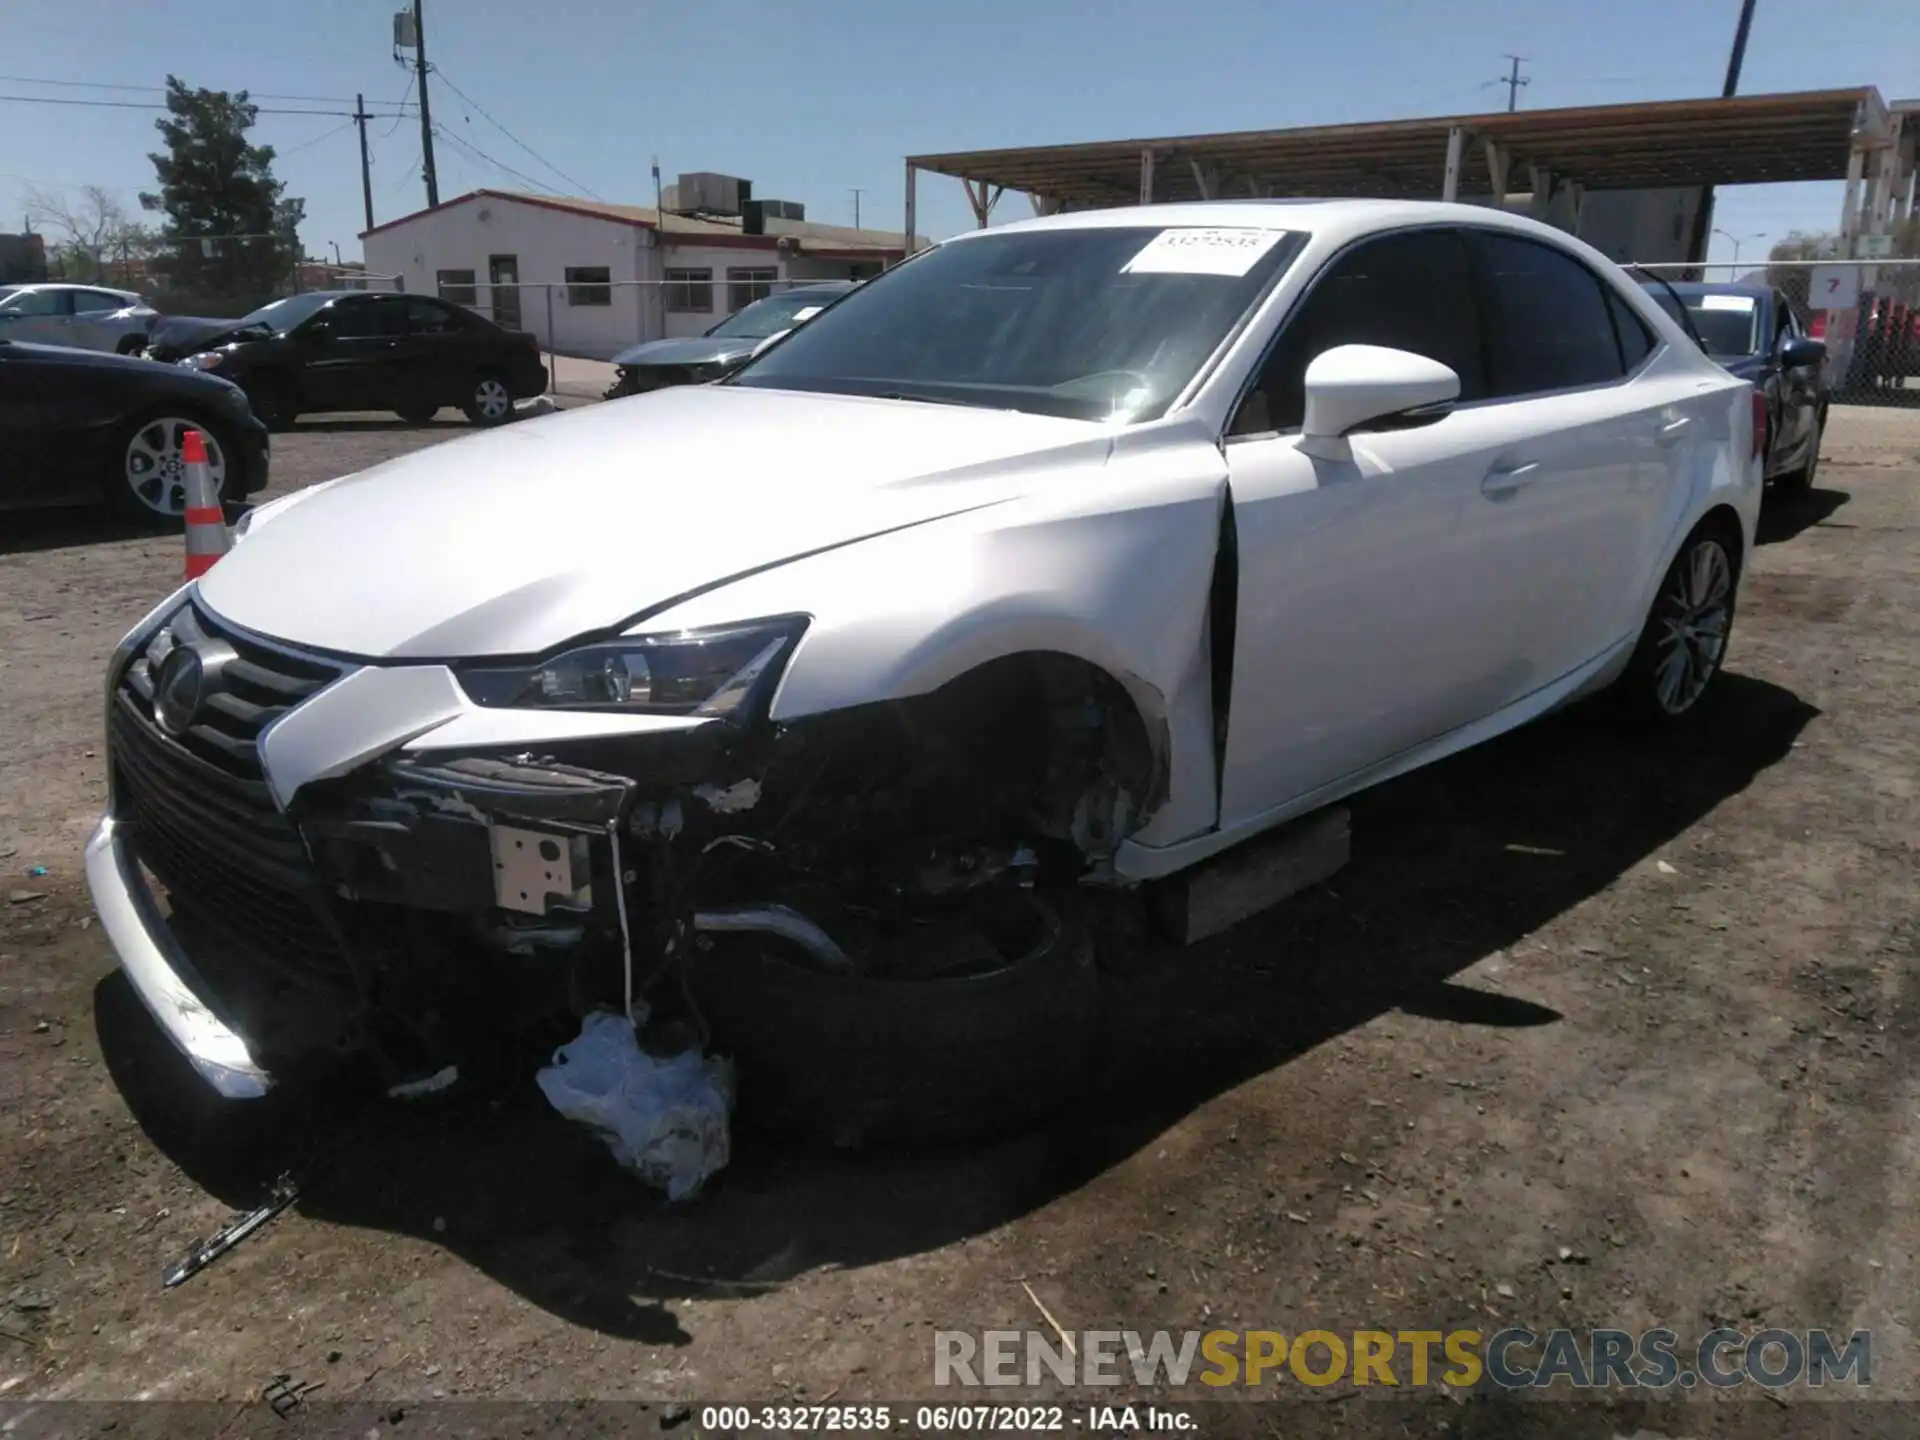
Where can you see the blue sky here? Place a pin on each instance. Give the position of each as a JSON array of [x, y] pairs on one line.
[[812, 100]]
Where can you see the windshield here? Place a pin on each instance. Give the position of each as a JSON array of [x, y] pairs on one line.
[[1100, 323], [1729, 324], [772, 315], [281, 316]]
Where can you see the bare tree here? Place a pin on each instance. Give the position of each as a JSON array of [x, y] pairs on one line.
[[89, 232]]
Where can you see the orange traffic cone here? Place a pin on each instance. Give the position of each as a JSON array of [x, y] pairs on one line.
[[207, 538]]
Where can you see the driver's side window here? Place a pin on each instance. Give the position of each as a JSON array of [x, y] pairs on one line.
[[1408, 291]]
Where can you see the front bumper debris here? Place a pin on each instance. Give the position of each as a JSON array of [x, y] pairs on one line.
[[162, 975]]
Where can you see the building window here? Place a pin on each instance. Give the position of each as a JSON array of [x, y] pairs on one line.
[[744, 286], [457, 287], [690, 292], [589, 285]]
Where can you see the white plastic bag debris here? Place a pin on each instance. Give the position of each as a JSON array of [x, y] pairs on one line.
[[538, 405], [664, 1118]]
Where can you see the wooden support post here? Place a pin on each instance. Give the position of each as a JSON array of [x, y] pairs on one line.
[[1146, 177], [1206, 179], [1542, 182], [1456, 156], [1499, 164], [906, 241], [1044, 204]]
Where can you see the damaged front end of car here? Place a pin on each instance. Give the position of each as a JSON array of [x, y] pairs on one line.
[[856, 885]]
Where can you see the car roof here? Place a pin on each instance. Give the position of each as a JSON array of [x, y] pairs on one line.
[[64, 285], [1716, 287], [1332, 219]]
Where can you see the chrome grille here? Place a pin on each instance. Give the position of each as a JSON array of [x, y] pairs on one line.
[[204, 820]]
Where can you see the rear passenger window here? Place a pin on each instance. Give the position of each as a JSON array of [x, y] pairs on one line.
[[1410, 292], [1636, 341], [1548, 327]]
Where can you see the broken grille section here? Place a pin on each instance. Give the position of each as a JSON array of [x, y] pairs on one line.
[[203, 818]]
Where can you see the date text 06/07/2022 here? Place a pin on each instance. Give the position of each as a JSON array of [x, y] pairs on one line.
[[1089, 1420]]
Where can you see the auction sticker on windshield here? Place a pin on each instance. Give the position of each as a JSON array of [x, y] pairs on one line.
[[1196, 251], [1726, 302]]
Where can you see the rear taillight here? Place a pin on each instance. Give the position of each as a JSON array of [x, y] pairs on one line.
[[1759, 424]]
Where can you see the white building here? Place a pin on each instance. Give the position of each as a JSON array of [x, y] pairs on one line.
[[591, 278]]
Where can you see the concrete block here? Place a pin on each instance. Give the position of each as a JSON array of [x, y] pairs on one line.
[[1218, 894]]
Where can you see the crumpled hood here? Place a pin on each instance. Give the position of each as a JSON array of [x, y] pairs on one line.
[[512, 541], [175, 336], [694, 350]]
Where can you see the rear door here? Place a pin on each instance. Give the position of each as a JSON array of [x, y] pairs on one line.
[[94, 327], [356, 358], [1595, 466], [441, 349]]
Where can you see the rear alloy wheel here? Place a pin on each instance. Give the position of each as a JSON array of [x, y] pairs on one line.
[[151, 486], [491, 402], [1685, 639]]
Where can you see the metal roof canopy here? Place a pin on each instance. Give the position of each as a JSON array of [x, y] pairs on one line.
[[1745, 140]]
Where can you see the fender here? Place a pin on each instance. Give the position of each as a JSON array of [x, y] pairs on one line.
[[1114, 568]]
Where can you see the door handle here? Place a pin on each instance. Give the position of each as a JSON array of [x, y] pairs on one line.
[[1506, 480], [1671, 430]]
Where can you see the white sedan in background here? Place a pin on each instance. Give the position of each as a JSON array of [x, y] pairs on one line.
[[1071, 552], [86, 317]]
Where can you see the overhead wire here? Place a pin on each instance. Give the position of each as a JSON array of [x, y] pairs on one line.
[[146, 105], [453, 139], [583, 188]]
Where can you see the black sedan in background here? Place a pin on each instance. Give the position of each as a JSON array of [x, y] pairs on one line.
[[79, 427], [1755, 333], [329, 351]]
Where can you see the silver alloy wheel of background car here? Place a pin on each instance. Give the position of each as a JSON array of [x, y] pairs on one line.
[[491, 399], [155, 471], [1695, 613]]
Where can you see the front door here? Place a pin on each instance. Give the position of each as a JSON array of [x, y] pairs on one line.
[[504, 272], [38, 317], [352, 354], [1373, 616]]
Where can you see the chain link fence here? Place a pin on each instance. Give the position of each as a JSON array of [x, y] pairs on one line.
[[1867, 312], [597, 318]]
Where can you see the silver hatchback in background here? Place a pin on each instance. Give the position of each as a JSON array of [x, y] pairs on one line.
[[86, 317]]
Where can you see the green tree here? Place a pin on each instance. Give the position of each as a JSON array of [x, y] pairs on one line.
[[230, 231]]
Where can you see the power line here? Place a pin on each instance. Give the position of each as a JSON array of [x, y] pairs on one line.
[[157, 89], [403, 100], [280, 154], [511, 136], [145, 105], [451, 138]]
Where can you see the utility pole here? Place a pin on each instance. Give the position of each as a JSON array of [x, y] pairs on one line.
[[426, 116], [366, 166], [1703, 217], [857, 192], [1513, 82]]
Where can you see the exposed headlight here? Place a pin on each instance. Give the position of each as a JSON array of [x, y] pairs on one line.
[[205, 360], [716, 672]]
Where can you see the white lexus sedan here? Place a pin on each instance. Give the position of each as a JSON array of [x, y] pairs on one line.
[[1066, 555]]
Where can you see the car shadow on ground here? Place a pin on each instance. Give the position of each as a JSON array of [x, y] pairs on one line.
[[26, 532], [1450, 864], [376, 424], [1784, 516]]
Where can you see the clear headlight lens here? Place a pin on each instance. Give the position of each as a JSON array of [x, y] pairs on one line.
[[205, 360], [716, 672]]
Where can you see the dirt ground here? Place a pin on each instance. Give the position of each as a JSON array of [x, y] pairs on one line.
[[1655, 1008]]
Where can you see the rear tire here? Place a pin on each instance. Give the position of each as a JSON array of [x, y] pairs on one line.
[[130, 345], [490, 402], [1684, 642]]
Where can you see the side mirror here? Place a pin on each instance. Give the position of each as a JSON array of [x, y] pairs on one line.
[[1803, 352], [1369, 387]]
